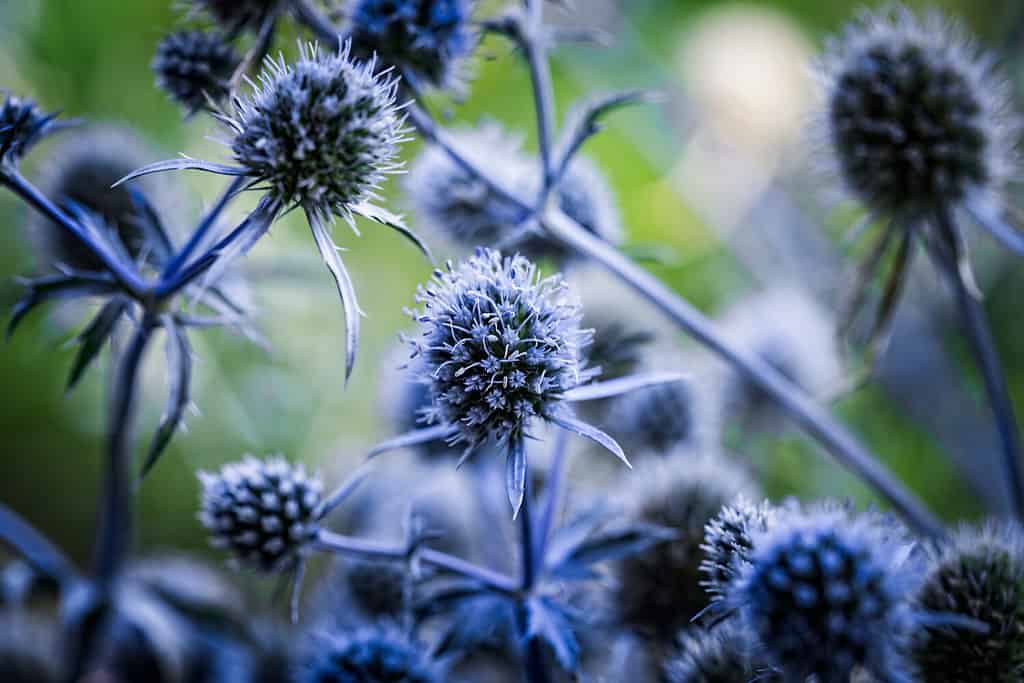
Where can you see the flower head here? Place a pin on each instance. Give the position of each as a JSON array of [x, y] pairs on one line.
[[658, 590], [369, 655], [979, 575], [824, 594], [377, 589], [263, 511], [722, 655], [321, 133], [915, 117], [22, 124], [657, 419], [729, 541], [236, 15], [499, 346], [429, 38], [195, 67]]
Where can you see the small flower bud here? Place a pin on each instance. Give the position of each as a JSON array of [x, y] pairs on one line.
[[195, 67], [22, 124]]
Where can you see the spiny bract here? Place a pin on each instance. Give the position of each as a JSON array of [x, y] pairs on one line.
[[429, 38], [22, 124], [370, 655], [824, 595], [195, 68], [978, 575], [500, 345], [263, 511], [322, 133], [915, 117]]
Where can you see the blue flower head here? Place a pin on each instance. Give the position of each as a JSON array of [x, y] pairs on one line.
[[195, 68], [237, 15], [729, 541], [825, 595], [722, 655], [500, 345], [22, 124], [375, 654], [428, 39]]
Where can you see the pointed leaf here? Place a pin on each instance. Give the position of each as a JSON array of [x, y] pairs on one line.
[[151, 223], [621, 385], [346, 489], [35, 548], [619, 543], [548, 622], [515, 474], [569, 537], [1003, 232], [332, 259], [68, 286], [93, 337], [183, 164], [591, 432], [394, 221], [236, 244], [179, 382], [413, 438]]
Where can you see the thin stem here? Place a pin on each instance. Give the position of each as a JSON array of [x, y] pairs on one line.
[[34, 198], [543, 93], [34, 548], [315, 21], [494, 580], [115, 521], [983, 347], [533, 654], [552, 499], [182, 257], [808, 414]]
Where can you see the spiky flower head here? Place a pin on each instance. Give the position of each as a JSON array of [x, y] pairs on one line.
[[262, 511], [723, 655], [499, 346], [370, 655], [195, 68], [83, 169], [322, 133], [978, 575], [429, 39], [377, 589], [237, 15], [457, 206], [657, 419], [22, 124], [915, 116], [824, 594], [729, 542], [658, 590]]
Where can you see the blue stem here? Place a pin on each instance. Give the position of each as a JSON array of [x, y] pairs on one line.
[[179, 261], [552, 499], [533, 656]]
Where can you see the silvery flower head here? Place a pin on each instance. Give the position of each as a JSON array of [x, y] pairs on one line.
[[729, 542], [375, 654], [263, 511], [500, 345], [658, 590], [825, 595], [978, 574], [915, 117], [321, 133], [722, 655], [426, 39], [22, 125], [457, 207], [195, 68]]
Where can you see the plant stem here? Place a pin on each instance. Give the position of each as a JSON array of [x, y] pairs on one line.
[[553, 498], [543, 92], [34, 548], [181, 258], [533, 655], [814, 419], [983, 348]]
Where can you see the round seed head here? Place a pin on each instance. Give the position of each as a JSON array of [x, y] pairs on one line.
[[195, 67], [980, 576], [729, 542], [658, 591], [322, 133], [262, 511], [429, 39], [370, 655], [499, 346], [83, 168], [916, 118], [824, 595], [22, 124], [236, 15], [723, 655]]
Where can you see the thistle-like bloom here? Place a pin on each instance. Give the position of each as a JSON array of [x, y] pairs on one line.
[[658, 419], [723, 655], [825, 594], [370, 655], [263, 511], [237, 15], [426, 39], [729, 542], [456, 206], [195, 68], [658, 590], [979, 575], [22, 125]]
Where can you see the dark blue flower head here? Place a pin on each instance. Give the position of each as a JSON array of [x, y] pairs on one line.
[[723, 655], [22, 124], [499, 346], [263, 511], [978, 575], [659, 419], [429, 39], [914, 115], [321, 133], [195, 68], [729, 541], [236, 15], [825, 594], [370, 655]]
